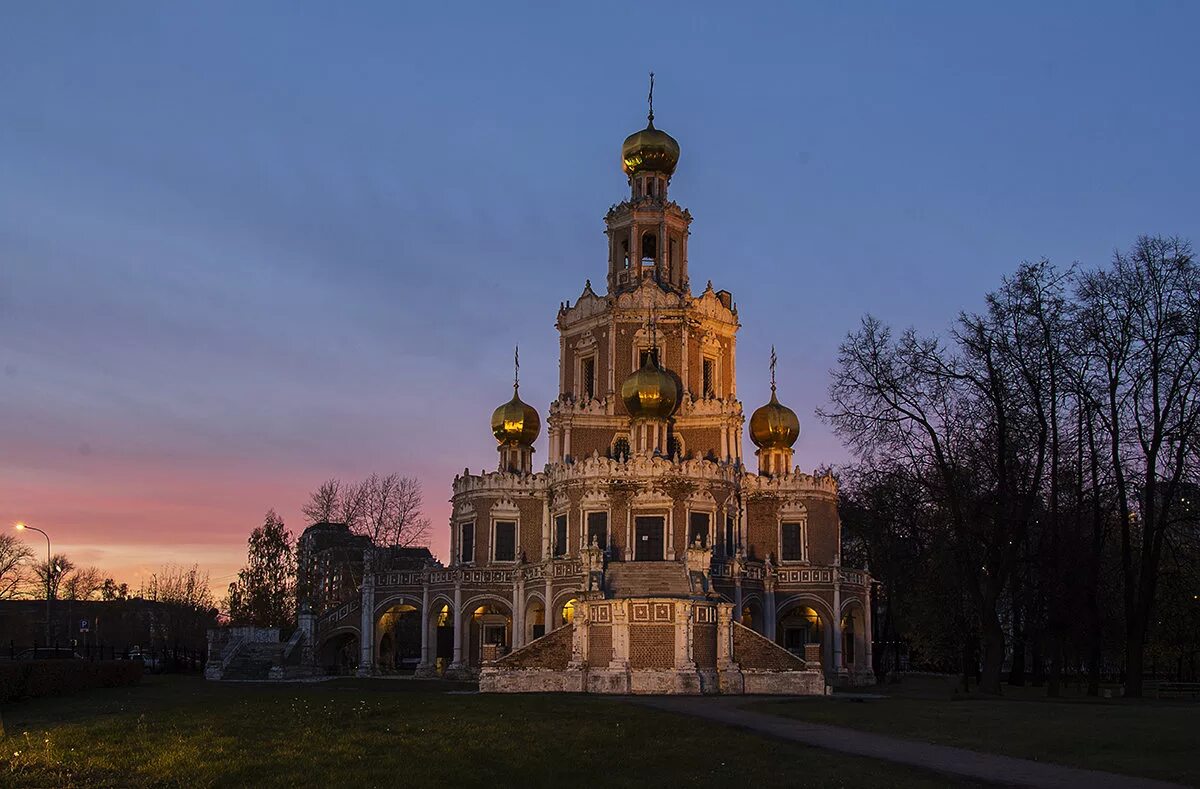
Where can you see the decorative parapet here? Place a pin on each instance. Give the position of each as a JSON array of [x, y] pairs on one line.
[[477, 576], [786, 484], [335, 615]]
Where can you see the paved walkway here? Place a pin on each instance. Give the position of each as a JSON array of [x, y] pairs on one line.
[[958, 762]]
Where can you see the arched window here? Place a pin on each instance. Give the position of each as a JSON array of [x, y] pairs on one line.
[[620, 449], [649, 246]]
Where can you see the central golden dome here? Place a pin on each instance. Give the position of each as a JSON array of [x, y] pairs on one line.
[[516, 422], [774, 426], [651, 392], [649, 150]]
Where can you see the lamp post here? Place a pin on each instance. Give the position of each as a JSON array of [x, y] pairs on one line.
[[49, 570]]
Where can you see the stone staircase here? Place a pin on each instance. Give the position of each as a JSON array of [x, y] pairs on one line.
[[646, 579], [253, 661]]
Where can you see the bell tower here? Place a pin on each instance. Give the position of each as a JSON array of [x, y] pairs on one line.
[[647, 234]]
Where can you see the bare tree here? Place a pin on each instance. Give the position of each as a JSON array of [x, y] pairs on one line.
[[82, 583], [1141, 319], [15, 571], [324, 503], [56, 571], [393, 511], [388, 509]]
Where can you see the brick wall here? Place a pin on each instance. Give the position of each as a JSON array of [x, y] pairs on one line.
[[551, 651], [752, 651]]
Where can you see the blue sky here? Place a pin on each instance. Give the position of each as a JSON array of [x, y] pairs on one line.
[[245, 247]]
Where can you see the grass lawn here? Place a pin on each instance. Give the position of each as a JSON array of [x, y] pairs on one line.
[[174, 731], [1136, 737]]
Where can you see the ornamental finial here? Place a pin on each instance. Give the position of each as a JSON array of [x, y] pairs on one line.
[[516, 368], [772, 369], [650, 99]]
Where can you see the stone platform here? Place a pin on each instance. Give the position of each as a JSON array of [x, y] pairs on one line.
[[653, 645]]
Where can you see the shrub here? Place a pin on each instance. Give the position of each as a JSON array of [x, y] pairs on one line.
[[33, 678]]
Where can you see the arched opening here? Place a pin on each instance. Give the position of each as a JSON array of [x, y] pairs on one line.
[[399, 639], [339, 654], [568, 612], [535, 620], [752, 616], [620, 449], [491, 633], [798, 626], [443, 624], [848, 638], [649, 247]]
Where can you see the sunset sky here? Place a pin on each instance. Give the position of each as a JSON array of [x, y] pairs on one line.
[[246, 247]]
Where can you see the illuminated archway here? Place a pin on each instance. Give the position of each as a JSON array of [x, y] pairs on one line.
[[799, 626], [535, 620], [567, 615], [398, 638]]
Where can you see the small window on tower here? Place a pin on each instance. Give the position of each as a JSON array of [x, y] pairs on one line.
[[710, 378], [649, 246], [467, 543], [560, 535], [647, 353], [587, 370]]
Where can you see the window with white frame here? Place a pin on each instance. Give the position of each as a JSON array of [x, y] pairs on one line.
[[709, 378], [698, 526], [791, 540], [504, 541], [466, 542], [587, 377], [597, 528]]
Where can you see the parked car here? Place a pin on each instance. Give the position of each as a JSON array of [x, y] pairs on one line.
[[149, 661], [49, 653]]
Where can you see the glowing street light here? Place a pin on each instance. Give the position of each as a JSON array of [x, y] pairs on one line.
[[49, 569]]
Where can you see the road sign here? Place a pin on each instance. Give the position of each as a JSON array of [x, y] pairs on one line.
[[83, 625]]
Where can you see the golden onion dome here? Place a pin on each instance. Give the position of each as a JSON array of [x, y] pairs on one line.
[[649, 150], [516, 422], [650, 392], [774, 425]]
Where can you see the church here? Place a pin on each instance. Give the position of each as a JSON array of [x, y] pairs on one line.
[[644, 555]]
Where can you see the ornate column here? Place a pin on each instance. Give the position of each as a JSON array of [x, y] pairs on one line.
[[366, 640], [735, 567], [547, 528], [724, 636], [425, 620], [518, 610], [868, 635], [770, 616], [551, 616], [457, 660], [836, 654]]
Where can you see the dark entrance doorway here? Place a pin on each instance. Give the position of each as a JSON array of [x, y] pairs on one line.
[[648, 538]]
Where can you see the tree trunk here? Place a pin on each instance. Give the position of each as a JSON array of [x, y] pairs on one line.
[[992, 638], [1135, 643]]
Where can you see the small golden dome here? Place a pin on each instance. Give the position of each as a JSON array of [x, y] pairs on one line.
[[516, 422], [774, 426], [651, 392], [649, 150]]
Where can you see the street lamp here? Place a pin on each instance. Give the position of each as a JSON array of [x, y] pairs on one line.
[[49, 570]]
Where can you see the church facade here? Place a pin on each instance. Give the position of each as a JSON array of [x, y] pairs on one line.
[[644, 555]]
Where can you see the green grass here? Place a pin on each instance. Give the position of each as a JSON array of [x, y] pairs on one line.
[[1134, 737], [186, 732]]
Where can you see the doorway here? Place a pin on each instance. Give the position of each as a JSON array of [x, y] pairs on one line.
[[648, 538]]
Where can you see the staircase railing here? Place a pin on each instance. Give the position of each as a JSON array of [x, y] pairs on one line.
[[290, 647]]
